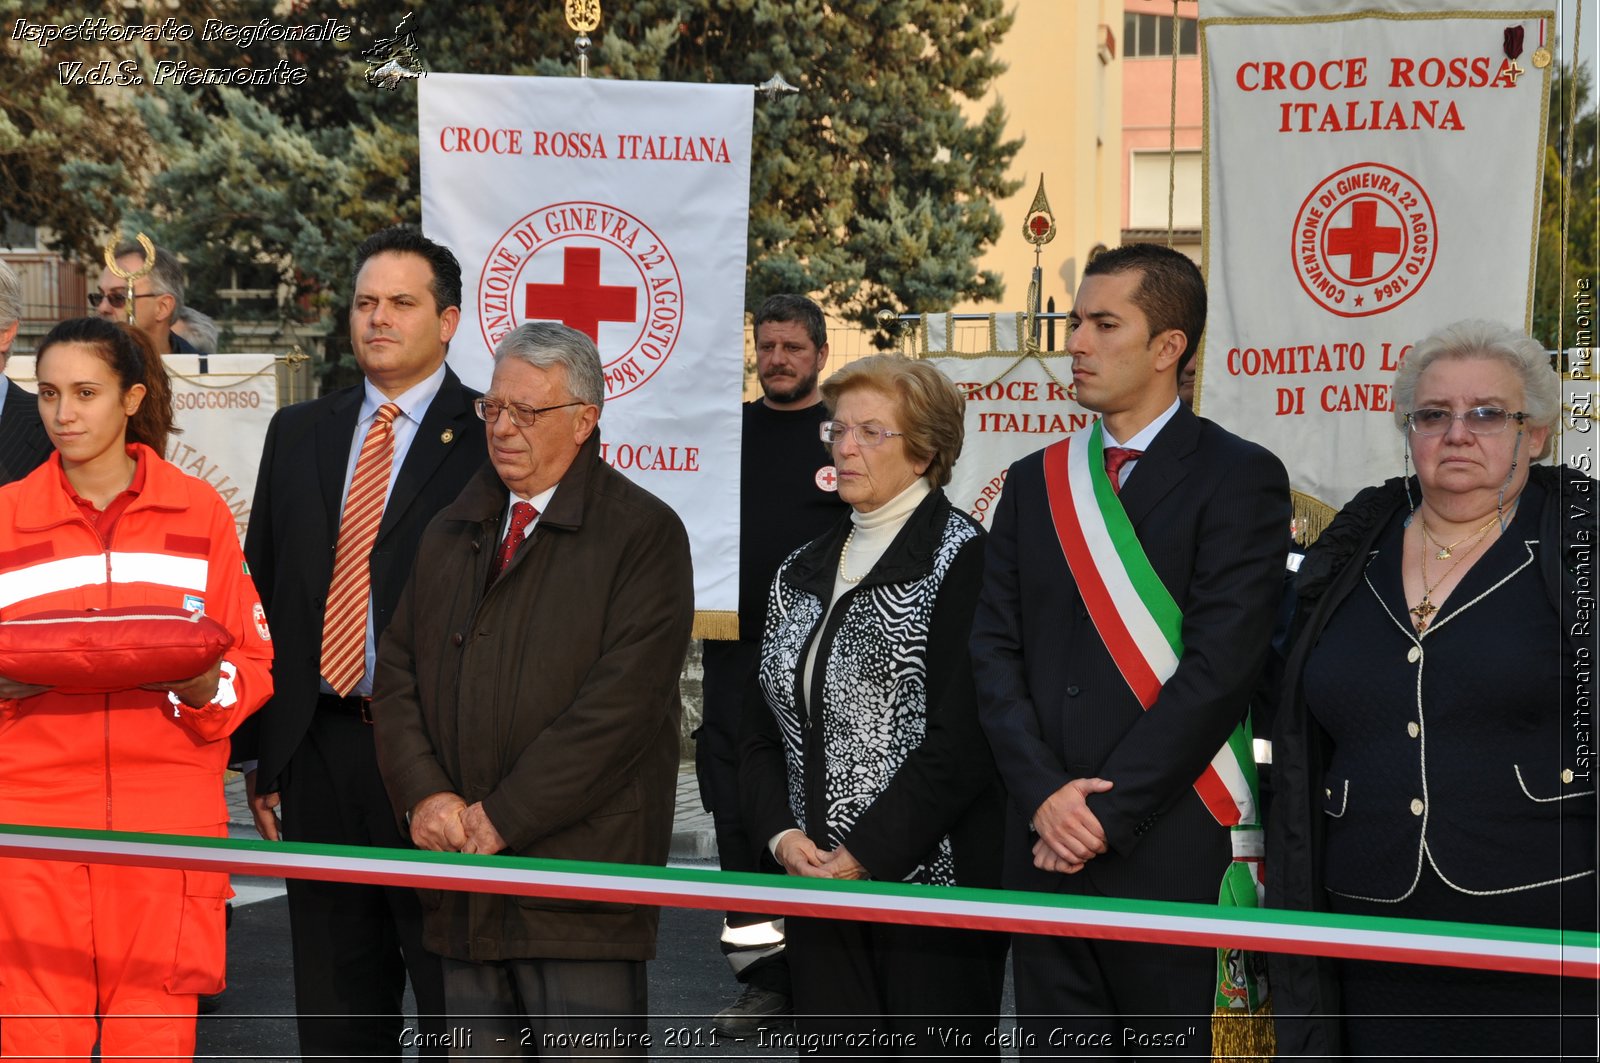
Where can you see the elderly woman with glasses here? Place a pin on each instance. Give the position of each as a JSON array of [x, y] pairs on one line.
[[862, 754], [1425, 759]]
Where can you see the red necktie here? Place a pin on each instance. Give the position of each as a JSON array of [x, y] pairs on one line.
[[1116, 458], [522, 514], [344, 624]]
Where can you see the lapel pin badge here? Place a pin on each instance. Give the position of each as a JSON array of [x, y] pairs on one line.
[[447, 435]]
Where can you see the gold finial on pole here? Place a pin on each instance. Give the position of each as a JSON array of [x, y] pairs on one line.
[[1038, 228], [583, 17], [130, 277]]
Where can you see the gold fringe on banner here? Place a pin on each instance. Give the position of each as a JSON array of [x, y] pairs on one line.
[[1240, 1035], [1311, 517], [716, 624]]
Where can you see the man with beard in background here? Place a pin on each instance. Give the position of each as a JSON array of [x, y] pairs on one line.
[[787, 497]]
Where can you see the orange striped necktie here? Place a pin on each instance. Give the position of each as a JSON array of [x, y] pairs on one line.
[[344, 625]]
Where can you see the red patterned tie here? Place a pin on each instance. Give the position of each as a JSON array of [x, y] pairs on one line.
[[522, 514], [344, 624], [1116, 458]]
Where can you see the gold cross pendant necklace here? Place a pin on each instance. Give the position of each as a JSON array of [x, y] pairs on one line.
[[1423, 611]]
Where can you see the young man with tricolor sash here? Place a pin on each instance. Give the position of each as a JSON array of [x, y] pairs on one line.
[[1133, 578]]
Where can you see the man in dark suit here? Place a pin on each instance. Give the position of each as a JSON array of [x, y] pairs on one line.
[[330, 569], [23, 443], [1105, 786]]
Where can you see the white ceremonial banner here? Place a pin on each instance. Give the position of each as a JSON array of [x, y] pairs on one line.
[[223, 414], [621, 209], [1369, 177], [1016, 404]]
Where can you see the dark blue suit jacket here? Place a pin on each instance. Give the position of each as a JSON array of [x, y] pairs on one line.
[[24, 445], [294, 525], [1211, 511]]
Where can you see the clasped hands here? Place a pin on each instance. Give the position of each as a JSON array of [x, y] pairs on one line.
[[1069, 834], [799, 855], [445, 823]]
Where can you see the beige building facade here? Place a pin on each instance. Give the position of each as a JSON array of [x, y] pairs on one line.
[[1063, 95]]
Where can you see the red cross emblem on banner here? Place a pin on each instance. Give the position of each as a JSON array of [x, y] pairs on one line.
[[580, 301], [595, 268], [1364, 239]]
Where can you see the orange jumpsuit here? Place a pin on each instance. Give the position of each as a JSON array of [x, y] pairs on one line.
[[132, 945]]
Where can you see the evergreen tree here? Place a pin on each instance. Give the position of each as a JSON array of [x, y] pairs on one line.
[[47, 122], [870, 187]]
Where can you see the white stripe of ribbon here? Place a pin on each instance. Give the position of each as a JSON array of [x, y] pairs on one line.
[[709, 889]]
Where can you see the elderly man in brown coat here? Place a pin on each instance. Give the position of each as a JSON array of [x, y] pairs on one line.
[[527, 702]]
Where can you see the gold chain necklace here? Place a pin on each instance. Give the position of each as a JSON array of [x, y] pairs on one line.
[[844, 553], [1425, 608], [1445, 551]]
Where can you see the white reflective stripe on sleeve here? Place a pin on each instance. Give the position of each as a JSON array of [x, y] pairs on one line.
[[47, 577], [183, 573]]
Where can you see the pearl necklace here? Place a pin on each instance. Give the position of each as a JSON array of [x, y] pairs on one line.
[[844, 553]]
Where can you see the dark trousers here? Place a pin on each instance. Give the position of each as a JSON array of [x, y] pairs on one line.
[[354, 945], [1402, 1009], [729, 668], [1082, 997], [924, 990], [547, 1009]]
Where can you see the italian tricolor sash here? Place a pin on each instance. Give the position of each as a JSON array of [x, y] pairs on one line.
[[1142, 628]]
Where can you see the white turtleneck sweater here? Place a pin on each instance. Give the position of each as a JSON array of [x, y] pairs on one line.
[[869, 538]]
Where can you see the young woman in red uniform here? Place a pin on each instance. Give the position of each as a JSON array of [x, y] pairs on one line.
[[108, 522]]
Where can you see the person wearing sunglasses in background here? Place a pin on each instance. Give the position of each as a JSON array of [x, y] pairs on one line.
[[157, 296], [1426, 761]]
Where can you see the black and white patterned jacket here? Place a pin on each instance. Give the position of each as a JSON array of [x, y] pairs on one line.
[[889, 760]]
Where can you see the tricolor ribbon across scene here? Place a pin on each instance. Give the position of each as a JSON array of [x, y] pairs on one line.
[[1525, 949]]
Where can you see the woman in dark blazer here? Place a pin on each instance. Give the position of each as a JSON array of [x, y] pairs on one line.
[[1425, 763], [862, 753]]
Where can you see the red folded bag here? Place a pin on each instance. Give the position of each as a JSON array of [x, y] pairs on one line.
[[103, 650]]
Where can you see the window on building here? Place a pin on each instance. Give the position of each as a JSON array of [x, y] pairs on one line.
[[17, 235], [1147, 190], [1151, 35]]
